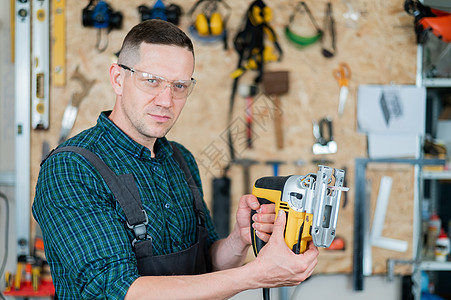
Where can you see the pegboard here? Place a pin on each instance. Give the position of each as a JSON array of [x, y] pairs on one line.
[[375, 38]]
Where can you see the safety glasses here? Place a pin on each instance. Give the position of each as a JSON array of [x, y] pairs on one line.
[[153, 84]]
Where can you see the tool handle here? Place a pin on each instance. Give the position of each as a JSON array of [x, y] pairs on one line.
[[257, 243], [278, 122], [249, 121]]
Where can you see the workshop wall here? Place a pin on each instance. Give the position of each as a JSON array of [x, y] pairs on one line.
[[375, 38]]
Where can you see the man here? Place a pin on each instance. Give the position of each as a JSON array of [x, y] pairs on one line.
[[95, 251]]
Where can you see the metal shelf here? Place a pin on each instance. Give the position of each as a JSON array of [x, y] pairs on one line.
[[436, 49], [436, 82], [433, 175], [435, 266]]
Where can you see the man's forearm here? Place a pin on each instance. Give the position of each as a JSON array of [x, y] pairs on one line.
[[216, 285], [229, 252], [275, 266]]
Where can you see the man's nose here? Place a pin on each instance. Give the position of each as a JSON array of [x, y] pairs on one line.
[[164, 98]]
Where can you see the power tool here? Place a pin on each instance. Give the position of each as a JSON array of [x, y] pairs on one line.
[[310, 202]]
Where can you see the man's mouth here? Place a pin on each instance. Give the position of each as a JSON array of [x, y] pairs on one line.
[[160, 118]]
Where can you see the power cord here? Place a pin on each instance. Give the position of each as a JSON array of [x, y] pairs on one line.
[[5, 256]]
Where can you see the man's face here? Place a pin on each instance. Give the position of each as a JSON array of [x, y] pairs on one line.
[[145, 117]]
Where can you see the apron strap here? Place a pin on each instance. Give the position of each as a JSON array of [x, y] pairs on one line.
[[123, 187], [198, 206]]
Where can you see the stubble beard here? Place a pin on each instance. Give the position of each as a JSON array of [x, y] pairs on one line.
[[144, 129]]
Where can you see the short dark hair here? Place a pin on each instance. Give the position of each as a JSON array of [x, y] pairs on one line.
[[152, 31]]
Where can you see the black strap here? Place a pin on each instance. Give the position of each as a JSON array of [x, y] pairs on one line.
[[198, 206], [123, 186]]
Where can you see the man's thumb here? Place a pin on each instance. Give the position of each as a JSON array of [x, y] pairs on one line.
[[279, 223]]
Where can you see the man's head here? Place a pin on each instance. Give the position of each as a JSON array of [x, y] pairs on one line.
[[156, 63], [152, 32]]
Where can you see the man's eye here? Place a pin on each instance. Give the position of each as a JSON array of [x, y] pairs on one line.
[[180, 86], [153, 81]]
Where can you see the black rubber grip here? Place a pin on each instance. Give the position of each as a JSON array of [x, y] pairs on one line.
[[257, 244]]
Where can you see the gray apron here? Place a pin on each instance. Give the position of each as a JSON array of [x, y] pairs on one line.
[[191, 261]]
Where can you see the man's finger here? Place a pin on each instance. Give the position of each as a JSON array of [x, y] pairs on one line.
[[249, 201], [267, 208], [264, 218], [279, 224], [312, 251]]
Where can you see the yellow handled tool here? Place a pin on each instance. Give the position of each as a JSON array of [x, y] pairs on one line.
[[310, 203]]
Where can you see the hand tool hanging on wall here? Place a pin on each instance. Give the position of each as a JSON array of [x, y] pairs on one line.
[[210, 24], [22, 122], [100, 15], [40, 69], [299, 40], [71, 111], [275, 84], [310, 204], [329, 33], [248, 92], [342, 75], [170, 13], [253, 53], [323, 144], [58, 49]]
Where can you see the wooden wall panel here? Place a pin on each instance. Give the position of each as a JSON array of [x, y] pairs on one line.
[[379, 47], [399, 214]]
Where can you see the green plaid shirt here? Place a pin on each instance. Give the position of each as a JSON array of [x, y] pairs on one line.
[[87, 242]]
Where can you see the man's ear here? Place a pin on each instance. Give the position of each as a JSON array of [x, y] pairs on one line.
[[117, 78]]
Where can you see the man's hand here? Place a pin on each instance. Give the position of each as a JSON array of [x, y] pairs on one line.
[[231, 252], [263, 219], [281, 265]]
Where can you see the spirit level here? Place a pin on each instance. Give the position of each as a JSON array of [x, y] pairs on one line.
[[40, 65], [22, 123], [59, 43]]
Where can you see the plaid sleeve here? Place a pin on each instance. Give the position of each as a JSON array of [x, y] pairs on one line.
[[83, 234]]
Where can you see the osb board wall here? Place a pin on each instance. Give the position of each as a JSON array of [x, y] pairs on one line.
[[398, 222], [379, 46]]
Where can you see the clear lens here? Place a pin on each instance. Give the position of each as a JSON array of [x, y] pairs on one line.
[[154, 84]]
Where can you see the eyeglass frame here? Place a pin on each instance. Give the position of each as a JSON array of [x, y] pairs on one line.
[[171, 83]]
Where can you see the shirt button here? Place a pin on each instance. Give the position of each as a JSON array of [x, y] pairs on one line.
[[167, 205], [155, 168]]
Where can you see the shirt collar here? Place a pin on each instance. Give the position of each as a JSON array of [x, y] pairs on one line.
[[162, 147]]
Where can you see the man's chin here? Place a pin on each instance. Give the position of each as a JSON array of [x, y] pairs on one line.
[[160, 133]]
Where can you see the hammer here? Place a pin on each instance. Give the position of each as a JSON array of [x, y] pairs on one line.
[[276, 83]]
